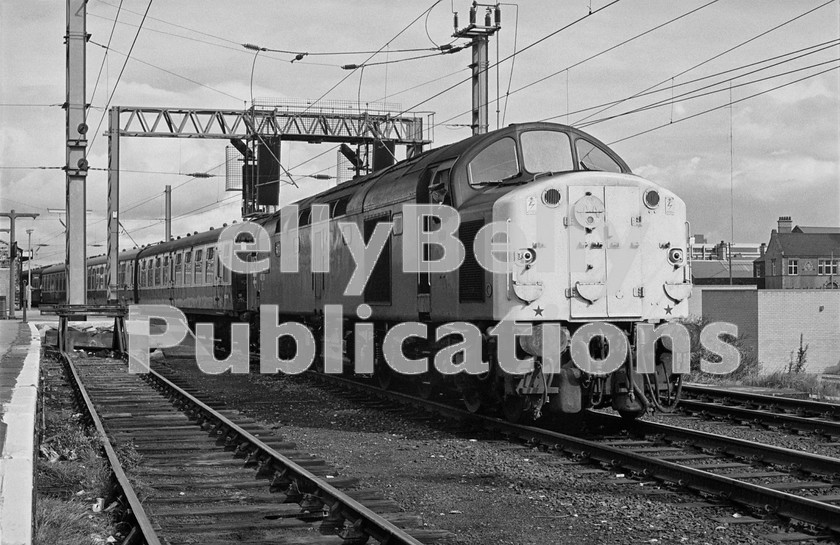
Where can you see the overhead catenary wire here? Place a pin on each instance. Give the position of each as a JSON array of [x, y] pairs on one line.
[[652, 91], [591, 57], [512, 55], [513, 59], [342, 80], [119, 77], [690, 94], [727, 104], [105, 56], [171, 73], [238, 43], [722, 53]]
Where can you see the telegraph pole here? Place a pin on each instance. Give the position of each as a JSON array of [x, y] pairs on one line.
[[76, 140], [12, 216], [480, 34]]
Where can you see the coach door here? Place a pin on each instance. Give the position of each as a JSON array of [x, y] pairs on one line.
[[604, 260]]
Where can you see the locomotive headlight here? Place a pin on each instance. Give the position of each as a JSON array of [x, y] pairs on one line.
[[551, 197], [651, 198], [526, 256], [676, 256]]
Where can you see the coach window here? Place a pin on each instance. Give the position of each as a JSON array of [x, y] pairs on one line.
[[179, 271], [143, 274], [591, 157], [546, 151], [188, 268], [494, 163], [166, 270], [157, 271], [121, 274], [198, 263], [210, 269]]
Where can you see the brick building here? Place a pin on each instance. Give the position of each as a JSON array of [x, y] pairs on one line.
[[800, 257]]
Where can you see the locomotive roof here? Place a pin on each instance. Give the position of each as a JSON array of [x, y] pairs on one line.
[[358, 188]]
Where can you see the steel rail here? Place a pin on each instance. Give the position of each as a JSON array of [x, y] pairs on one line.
[[806, 461], [146, 529], [786, 420], [361, 518], [816, 408], [820, 514]]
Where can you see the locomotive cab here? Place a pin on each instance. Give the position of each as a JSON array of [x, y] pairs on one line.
[[588, 241]]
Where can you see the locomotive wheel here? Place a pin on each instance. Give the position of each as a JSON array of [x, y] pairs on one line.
[[514, 407], [473, 400], [384, 376], [427, 386], [631, 416]]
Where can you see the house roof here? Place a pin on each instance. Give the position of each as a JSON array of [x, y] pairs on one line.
[[797, 244], [816, 230], [714, 268]]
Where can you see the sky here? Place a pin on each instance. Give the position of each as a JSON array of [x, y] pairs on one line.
[[774, 151]]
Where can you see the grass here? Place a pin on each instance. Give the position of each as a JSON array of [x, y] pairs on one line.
[[70, 475], [801, 382], [750, 372], [69, 523]]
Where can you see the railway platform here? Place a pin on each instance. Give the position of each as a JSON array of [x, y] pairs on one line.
[[20, 358]]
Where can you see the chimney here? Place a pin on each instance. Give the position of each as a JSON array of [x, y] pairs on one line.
[[785, 224], [762, 249]]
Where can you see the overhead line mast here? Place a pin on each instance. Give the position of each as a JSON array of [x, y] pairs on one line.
[[77, 165], [480, 34]]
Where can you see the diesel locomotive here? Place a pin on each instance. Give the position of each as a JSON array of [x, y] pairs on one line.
[[574, 237]]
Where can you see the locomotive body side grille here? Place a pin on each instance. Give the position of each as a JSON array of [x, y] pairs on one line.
[[471, 274]]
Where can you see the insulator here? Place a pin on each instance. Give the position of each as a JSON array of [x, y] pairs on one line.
[[488, 18], [498, 16], [455, 17], [350, 66], [472, 14]]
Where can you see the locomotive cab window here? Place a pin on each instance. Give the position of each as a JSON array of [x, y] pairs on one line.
[[546, 151], [439, 188], [495, 163], [591, 157]]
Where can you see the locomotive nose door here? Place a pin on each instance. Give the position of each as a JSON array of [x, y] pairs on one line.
[[604, 251], [587, 255], [624, 252]]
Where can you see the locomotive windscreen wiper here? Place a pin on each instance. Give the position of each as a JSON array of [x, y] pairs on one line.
[[503, 181]]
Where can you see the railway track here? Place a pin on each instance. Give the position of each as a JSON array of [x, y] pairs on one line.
[[796, 415], [794, 485], [208, 475]]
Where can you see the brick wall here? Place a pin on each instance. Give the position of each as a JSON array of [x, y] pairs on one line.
[[773, 319], [736, 305], [784, 314]]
